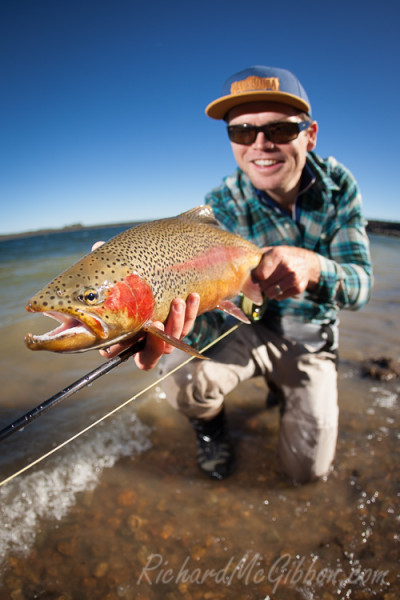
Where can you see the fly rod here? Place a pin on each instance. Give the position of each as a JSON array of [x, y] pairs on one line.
[[118, 408], [87, 379]]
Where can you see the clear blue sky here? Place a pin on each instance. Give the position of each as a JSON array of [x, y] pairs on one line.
[[102, 101]]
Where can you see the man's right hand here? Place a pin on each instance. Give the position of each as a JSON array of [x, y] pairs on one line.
[[179, 322]]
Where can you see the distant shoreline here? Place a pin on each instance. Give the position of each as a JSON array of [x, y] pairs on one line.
[[384, 228], [391, 228], [66, 229]]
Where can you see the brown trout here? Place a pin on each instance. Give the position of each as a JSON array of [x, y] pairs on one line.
[[118, 290]]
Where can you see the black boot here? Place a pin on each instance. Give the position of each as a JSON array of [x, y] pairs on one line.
[[214, 449], [272, 400]]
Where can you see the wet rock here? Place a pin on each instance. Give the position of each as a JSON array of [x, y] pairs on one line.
[[135, 522], [67, 547], [383, 368], [17, 595], [167, 531], [13, 583], [126, 498], [101, 569]]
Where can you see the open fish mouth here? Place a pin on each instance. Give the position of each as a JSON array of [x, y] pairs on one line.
[[71, 334]]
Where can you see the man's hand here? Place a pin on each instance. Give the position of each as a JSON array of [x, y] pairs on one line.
[[285, 271], [180, 321]]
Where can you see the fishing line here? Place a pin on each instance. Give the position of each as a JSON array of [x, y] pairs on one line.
[[115, 410]]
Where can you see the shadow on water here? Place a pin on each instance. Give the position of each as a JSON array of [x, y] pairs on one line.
[[122, 512]]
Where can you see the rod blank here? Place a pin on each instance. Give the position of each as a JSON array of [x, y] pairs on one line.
[[87, 379]]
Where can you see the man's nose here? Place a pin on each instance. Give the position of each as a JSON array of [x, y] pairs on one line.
[[263, 142]]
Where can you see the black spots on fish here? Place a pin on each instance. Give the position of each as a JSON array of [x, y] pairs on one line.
[[161, 253]]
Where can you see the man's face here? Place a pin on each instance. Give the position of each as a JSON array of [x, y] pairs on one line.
[[273, 168]]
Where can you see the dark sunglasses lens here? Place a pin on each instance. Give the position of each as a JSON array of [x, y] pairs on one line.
[[242, 135], [278, 133], [282, 133]]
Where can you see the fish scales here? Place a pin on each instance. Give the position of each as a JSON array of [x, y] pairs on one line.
[[124, 285]]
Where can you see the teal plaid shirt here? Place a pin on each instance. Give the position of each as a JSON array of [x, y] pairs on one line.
[[327, 220]]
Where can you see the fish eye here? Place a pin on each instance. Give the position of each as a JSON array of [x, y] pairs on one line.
[[89, 296]]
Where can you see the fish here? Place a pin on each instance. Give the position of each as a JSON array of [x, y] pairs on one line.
[[118, 290]]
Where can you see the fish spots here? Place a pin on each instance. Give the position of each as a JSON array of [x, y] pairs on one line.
[[139, 272]]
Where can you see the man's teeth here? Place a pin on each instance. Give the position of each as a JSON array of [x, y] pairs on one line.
[[262, 162]]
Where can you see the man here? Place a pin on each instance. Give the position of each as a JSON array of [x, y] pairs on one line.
[[305, 212]]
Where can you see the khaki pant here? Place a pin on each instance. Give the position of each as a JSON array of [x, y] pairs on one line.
[[304, 381]]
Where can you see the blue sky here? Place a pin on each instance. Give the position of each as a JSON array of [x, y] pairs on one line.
[[102, 102]]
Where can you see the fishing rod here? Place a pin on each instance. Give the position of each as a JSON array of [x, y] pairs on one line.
[[87, 379], [253, 312], [126, 355]]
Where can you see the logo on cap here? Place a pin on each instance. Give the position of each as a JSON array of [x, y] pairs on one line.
[[253, 84]]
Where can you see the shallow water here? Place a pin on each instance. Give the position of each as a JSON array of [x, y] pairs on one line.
[[121, 512]]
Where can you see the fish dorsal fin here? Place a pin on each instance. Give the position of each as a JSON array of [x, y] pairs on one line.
[[201, 214]]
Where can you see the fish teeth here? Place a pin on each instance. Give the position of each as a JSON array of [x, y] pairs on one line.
[[68, 325]]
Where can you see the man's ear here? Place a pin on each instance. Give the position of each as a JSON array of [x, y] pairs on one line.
[[312, 136]]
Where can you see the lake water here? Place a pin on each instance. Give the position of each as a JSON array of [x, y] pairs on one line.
[[122, 511]]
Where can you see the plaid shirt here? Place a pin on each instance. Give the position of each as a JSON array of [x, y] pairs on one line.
[[327, 219]]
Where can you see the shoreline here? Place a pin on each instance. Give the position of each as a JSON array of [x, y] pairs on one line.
[[390, 228], [384, 228], [67, 229]]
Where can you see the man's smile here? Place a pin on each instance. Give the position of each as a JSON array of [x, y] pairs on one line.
[[265, 162]]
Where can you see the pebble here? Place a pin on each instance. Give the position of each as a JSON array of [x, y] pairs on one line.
[[101, 569], [126, 498]]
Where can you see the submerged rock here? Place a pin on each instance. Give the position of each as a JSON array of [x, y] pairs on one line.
[[383, 368]]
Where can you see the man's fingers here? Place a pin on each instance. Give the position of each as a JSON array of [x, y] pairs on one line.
[[179, 323], [115, 349], [181, 318], [175, 321], [154, 348], [192, 307]]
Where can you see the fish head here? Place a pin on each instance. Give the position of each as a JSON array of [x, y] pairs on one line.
[[96, 302]]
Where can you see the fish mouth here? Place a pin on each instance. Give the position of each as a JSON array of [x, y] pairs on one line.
[[72, 334]]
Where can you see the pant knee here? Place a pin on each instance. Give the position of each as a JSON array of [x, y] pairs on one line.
[[304, 455]]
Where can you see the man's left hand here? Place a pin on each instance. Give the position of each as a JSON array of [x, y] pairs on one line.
[[286, 271]]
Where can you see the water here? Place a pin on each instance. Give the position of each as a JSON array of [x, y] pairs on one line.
[[121, 511]]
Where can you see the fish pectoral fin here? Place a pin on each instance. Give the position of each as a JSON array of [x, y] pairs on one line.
[[231, 309], [251, 289], [150, 328]]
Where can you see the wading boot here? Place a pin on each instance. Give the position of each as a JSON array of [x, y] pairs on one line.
[[272, 400], [214, 450]]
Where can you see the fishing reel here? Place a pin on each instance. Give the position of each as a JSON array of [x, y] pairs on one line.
[[252, 311]]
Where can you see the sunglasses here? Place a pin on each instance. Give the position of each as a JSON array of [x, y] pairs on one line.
[[277, 133]]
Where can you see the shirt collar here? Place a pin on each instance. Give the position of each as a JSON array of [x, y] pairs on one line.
[[313, 179], [307, 180]]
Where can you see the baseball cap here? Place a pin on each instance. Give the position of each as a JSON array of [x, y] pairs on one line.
[[257, 84]]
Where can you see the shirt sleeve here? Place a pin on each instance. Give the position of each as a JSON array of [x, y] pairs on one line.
[[346, 273], [206, 329]]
